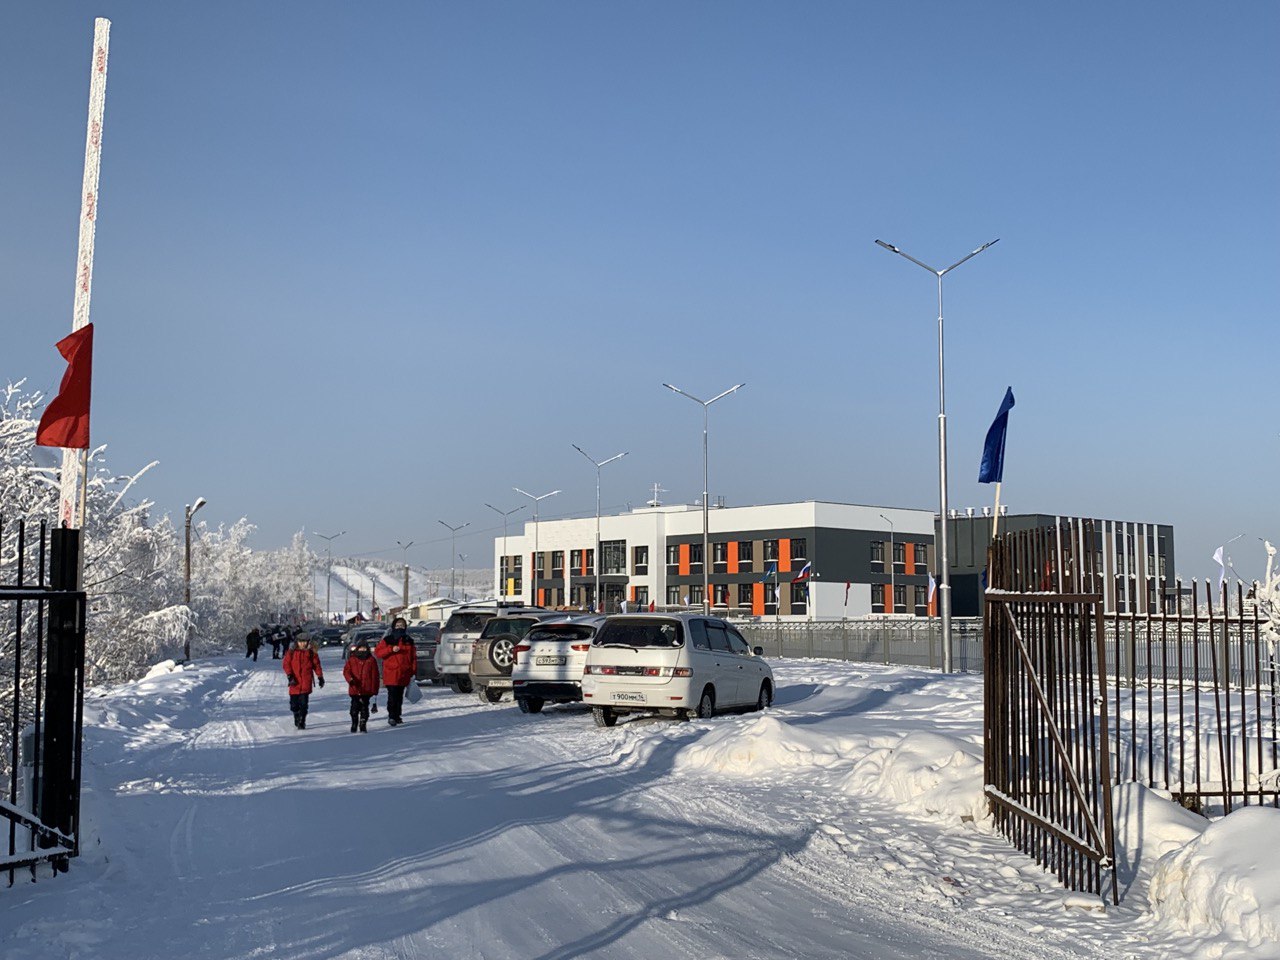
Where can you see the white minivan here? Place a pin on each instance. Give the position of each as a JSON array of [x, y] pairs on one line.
[[680, 665]]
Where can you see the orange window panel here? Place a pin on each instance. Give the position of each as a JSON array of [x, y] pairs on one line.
[[757, 599], [684, 560], [542, 596], [909, 550], [732, 555], [784, 555], [583, 571], [632, 596]]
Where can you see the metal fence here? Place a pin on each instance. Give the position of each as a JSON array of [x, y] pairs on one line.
[[901, 642]]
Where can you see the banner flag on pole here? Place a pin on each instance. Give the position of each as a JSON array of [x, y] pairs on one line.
[[1222, 567], [992, 468], [65, 422], [804, 573], [847, 585], [933, 586], [770, 571]]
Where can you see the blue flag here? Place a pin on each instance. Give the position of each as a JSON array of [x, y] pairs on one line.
[[992, 469], [770, 571]]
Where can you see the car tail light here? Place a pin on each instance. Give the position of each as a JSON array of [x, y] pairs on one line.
[[668, 672], [515, 654], [580, 647], [598, 670], [682, 672]]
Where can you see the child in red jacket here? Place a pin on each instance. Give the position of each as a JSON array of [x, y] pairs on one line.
[[300, 664], [361, 674]]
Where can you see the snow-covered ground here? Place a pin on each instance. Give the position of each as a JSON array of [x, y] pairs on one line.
[[353, 579], [845, 822]]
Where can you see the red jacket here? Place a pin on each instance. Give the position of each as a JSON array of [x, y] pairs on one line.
[[301, 664], [361, 674], [398, 667]]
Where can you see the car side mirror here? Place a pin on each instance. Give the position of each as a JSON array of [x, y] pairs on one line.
[[758, 651]]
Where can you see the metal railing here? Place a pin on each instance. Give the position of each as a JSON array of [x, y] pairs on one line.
[[892, 641]]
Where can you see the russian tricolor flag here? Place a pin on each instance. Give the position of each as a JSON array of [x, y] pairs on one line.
[[803, 574]]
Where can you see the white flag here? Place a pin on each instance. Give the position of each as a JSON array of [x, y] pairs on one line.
[[932, 587], [1222, 568]]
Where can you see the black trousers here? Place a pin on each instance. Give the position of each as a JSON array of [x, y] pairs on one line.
[[395, 700], [360, 708], [298, 704]]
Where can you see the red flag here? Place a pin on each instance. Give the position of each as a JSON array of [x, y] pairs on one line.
[[66, 419]]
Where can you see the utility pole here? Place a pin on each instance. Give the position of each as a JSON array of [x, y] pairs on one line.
[[190, 512], [599, 604], [328, 580], [453, 555], [405, 547], [502, 587], [533, 574]]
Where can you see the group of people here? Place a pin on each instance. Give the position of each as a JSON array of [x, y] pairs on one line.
[[279, 637], [393, 664]]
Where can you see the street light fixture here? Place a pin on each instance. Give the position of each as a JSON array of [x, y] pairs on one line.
[[533, 574], [405, 547], [706, 517], [944, 560], [893, 593], [328, 579], [502, 588], [453, 555], [599, 558], [190, 512]]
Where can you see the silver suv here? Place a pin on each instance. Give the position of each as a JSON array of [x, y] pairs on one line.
[[494, 653], [460, 632]]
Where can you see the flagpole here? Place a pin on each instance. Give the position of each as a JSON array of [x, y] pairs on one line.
[[72, 480], [995, 524]]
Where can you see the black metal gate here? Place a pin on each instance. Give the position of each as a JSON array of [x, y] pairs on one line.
[[42, 634], [1048, 773]]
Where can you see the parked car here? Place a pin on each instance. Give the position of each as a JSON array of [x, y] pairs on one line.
[[549, 662], [426, 638], [328, 636], [370, 634], [457, 637], [494, 652], [673, 665]]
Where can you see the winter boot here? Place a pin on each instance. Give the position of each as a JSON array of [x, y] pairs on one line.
[[302, 723], [364, 728], [353, 725], [373, 706]]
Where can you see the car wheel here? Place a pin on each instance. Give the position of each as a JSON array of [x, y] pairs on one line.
[[489, 695], [765, 700], [530, 704], [707, 705], [604, 717], [502, 652], [463, 685]]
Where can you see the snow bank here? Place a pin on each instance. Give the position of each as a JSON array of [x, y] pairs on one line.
[[1225, 883], [1149, 825], [760, 746], [161, 669], [926, 773]]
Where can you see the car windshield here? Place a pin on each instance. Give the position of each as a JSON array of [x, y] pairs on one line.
[[641, 633], [467, 622], [562, 633]]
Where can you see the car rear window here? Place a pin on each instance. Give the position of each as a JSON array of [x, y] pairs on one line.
[[641, 633], [563, 632], [517, 626], [467, 622]]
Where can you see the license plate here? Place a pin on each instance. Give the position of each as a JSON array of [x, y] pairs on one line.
[[550, 661], [499, 683], [630, 697]]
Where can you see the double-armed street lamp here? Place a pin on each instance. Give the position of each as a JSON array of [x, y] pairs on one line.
[[453, 554], [190, 512], [706, 518], [502, 588], [599, 604], [944, 561], [328, 579], [533, 574], [893, 593]]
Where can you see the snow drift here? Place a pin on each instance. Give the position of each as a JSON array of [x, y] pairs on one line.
[[925, 773]]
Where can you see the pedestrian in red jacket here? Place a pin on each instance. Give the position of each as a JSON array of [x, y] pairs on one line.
[[361, 674], [399, 666], [301, 663]]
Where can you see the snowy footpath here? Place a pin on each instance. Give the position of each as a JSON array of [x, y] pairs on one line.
[[845, 822]]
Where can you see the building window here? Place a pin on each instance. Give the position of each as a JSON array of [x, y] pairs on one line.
[[770, 551], [746, 554], [899, 557], [877, 556], [877, 597], [771, 598], [744, 595], [900, 599], [557, 564], [640, 561], [673, 597], [695, 595], [673, 559], [695, 558], [539, 566], [613, 556], [720, 594], [922, 555], [642, 597], [799, 549], [719, 557], [799, 600], [922, 601]]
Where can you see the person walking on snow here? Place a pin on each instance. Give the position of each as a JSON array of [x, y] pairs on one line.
[[252, 642], [301, 663], [361, 674], [399, 666]]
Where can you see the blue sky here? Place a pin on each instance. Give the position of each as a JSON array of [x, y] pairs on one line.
[[363, 266]]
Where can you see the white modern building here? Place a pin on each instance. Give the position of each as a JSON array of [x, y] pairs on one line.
[[811, 559]]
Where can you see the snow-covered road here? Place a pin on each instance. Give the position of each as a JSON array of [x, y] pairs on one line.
[[217, 830]]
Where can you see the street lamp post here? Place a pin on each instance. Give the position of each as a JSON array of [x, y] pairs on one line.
[[893, 593], [190, 512], [453, 555], [533, 574], [328, 578], [944, 559], [405, 547], [706, 516], [599, 557], [502, 587]]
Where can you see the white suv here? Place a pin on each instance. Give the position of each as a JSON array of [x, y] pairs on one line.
[[672, 664], [549, 662]]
